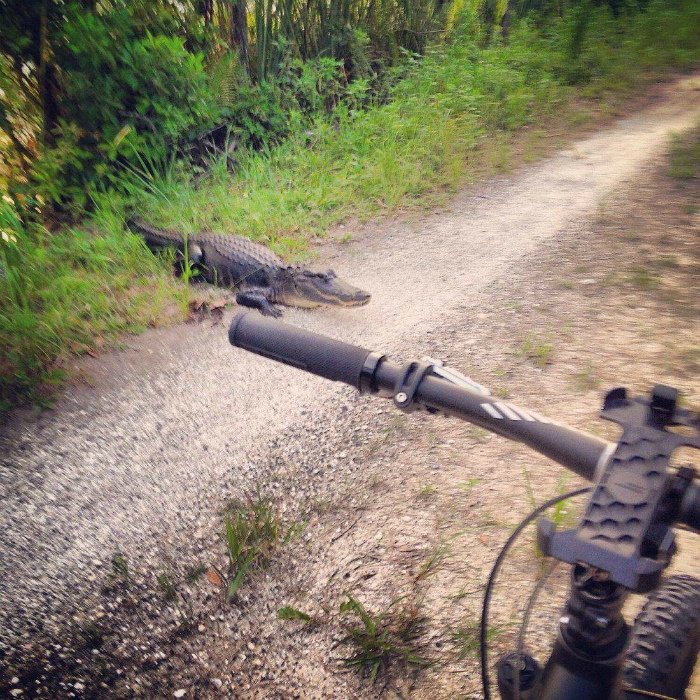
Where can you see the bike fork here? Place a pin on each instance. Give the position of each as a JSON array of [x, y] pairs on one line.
[[587, 657]]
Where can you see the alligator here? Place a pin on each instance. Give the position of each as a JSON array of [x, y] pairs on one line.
[[261, 278]]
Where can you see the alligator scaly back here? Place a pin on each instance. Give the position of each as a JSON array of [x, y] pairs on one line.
[[261, 277]]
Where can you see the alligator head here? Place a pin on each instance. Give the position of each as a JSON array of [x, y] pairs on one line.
[[308, 288]]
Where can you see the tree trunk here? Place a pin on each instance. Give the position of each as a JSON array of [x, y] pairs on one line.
[[46, 79], [239, 29], [505, 22]]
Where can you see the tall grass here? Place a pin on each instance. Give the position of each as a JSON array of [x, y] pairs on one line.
[[69, 292], [451, 113]]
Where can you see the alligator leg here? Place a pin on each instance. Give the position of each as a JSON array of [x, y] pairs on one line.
[[257, 298]]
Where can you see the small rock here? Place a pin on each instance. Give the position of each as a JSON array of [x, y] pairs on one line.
[[589, 280], [79, 686], [16, 692], [15, 680], [217, 682], [179, 693]]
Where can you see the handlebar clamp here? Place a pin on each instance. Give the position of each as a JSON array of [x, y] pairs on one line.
[[408, 381]]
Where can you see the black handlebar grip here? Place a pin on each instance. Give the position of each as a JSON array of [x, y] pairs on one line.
[[332, 359]]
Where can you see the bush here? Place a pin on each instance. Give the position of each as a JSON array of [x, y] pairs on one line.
[[125, 91], [67, 292]]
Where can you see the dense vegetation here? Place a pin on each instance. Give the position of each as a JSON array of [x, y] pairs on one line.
[[271, 120]]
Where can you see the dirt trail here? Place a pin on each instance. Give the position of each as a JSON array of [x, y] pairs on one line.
[[138, 465]]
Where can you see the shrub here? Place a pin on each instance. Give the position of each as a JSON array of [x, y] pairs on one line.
[[117, 74]]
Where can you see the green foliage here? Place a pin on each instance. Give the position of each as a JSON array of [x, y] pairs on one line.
[[378, 640], [444, 112], [120, 569], [467, 638], [116, 75], [685, 157], [166, 585], [254, 532], [289, 613], [193, 573], [63, 292]]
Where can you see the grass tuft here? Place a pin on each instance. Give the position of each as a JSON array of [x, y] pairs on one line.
[[254, 532], [381, 640], [289, 613], [684, 162]]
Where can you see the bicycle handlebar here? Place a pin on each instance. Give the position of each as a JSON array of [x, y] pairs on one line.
[[373, 373]]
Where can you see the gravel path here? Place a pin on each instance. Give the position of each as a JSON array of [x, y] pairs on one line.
[[136, 462]]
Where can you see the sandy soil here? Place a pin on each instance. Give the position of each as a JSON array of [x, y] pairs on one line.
[[180, 422]]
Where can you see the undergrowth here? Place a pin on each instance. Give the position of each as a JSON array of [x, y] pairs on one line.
[[70, 292], [254, 532], [448, 120]]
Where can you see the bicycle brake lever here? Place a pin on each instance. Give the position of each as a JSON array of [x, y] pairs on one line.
[[455, 377]]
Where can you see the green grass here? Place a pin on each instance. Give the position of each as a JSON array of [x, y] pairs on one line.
[[467, 639], [70, 292], [642, 277], [539, 351], [586, 379], [120, 569], [453, 118], [450, 119], [426, 490], [380, 640], [254, 532], [194, 573], [166, 585], [684, 162], [289, 613], [432, 562], [468, 486]]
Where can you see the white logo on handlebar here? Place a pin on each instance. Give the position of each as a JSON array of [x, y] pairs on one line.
[[503, 410]]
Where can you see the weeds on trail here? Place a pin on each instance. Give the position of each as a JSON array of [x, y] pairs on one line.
[[254, 532], [467, 639], [432, 562], [166, 586], [585, 380], [289, 613], [685, 157], [380, 640], [193, 574], [642, 277], [120, 569], [540, 352]]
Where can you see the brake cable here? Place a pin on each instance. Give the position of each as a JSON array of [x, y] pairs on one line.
[[526, 619], [647, 693], [494, 572]]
